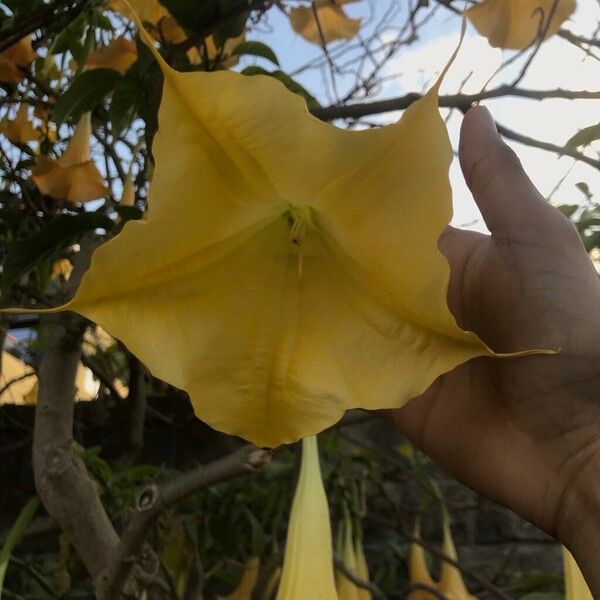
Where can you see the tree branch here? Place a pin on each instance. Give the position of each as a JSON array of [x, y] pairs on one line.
[[463, 102], [363, 109], [68, 493], [153, 500]]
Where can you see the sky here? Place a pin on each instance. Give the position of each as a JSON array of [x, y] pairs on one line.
[[557, 65]]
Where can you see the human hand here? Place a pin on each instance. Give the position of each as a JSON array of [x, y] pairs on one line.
[[522, 431]]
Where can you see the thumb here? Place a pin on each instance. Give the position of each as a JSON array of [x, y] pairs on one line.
[[508, 200]]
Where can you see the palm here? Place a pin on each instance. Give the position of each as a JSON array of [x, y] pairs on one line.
[[519, 430]]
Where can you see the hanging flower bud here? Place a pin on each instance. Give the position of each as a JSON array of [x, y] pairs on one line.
[[247, 583], [119, 55], [14, 59], [451, 581], [73, 177], [575, 586], [418, 570], [128, 196], [19, 130]]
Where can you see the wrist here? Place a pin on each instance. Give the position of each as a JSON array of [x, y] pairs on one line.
[[579, 526]]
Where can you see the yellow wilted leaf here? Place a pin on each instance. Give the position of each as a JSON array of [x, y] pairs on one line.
[[19, 130], [247, 582], [119, 55], [451, 582], [73, 177], [308, 561], [20, 376], [516, 24], [418, 571], [12, 60], [330, 23], [576, 587]]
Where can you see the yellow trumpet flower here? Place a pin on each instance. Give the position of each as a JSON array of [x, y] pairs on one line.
[[329, 24], [119, 55], [418, 571], [362, 569], [19, 56], [451, 581], [308, 562], [576, 587], [17, 380], [73, 177], [304, 278], [516, 24], [19, 130], [247, 582], [347, 589], [353, 557]]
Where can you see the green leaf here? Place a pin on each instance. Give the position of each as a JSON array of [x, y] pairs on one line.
[[126, 101], [584, 136], [86, 92], [592, 241], [15, 535], [584, 188], [289, 83], [253, 48], [24, 255], [568, 209]]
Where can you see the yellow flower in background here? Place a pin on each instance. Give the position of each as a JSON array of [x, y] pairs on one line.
[[331, 22], [148, 11], [247, 582], [353, 557], [24, 390], [62, 268], [516, 24], [362, 569], [19, 56], [20, 376], [308, 561], [451, 582], [418, 571], [19, 130], [73, 177], [119, 55], [576, 587], [128, 195], [227, 60]]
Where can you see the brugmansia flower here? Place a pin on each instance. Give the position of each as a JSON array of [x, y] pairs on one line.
[[308, 562], [23, 388], [575, 586], [19, 130], [247, 583], [451, 582], [19, 56], [362, 569], [418, 571], [128, 195], [73, 177], [353, 557], [288, 270], [147, 11], [62, 268], [330, 23], [119, 55], [516, 24], [17, 380]]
